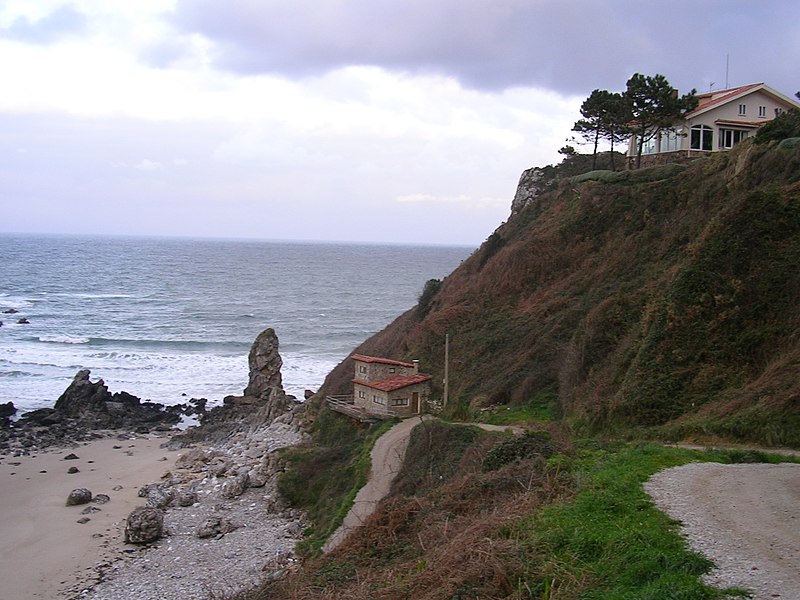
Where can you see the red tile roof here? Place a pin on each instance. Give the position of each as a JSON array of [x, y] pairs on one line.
[[383, 361], [711, 99], [395, 383]]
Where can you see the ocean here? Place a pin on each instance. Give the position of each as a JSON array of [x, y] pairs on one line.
[[173, 319]]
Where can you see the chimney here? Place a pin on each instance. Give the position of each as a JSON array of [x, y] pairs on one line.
[[416, 366]]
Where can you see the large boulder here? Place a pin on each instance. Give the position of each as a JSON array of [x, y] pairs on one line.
[[79, 496], [145, 524]]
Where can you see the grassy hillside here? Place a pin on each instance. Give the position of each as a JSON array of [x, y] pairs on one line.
[[477, 515], [663, 301]]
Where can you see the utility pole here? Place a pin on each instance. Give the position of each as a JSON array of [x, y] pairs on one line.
[[446, 367]]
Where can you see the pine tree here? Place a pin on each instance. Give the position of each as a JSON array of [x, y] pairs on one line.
[[654, 105]]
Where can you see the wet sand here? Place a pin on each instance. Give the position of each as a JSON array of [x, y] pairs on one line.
[[43, 549]]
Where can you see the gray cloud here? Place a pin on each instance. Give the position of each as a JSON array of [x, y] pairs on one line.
[[64, 21], [568, 46]]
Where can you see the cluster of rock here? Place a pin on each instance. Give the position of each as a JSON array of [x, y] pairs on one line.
[[82, 411], [220, 501], [12, 311], [262, 402]]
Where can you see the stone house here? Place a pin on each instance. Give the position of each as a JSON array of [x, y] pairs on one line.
[[721, 120], [391, 387]]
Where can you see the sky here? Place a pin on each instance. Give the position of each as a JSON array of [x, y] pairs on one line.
[[379, 121]]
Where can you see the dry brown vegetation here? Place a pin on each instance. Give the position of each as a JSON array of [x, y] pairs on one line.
[[447, 529], [663, 299]]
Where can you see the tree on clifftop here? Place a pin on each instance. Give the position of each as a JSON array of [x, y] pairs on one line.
[[605, 116], [654, 105]]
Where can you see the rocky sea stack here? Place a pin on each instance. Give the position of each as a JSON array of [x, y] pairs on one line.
[[262, 401]]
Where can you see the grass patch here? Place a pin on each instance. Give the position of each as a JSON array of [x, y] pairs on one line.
[[611, 542], [541, 408]]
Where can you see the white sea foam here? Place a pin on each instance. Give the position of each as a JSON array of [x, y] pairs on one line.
[[91, 296], [63, 339], [16, 302]]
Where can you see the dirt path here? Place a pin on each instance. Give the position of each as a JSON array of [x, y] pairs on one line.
[[387, 457], [744, 517]]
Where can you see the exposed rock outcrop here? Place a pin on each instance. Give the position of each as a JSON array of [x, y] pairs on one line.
[[528, 189], [92, 404], [84, 408]]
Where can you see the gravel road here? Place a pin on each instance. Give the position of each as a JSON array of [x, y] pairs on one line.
[[745, 518]]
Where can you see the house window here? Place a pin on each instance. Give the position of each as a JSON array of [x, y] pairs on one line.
[[362, 369], [778, 111], [701, 138], [742, 110], [392, 369], [762, 111], [378, 400], [728, 138], [650, 146], [399, 401], [670, 140], [362, 394]]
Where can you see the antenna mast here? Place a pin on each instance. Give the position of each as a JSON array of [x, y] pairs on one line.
[[727, 64], [446, 367]]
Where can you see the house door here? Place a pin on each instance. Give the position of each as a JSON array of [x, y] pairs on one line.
[[415, 402]]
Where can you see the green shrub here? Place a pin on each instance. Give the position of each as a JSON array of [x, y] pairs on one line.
[[520, 447], [785, 125]]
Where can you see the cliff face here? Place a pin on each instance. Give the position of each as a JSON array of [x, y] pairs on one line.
[[667, 297]]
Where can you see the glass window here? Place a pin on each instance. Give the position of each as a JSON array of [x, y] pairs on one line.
[[399, 401], [742, 109], [762, 111], [728, 138], [670, 140], [649, 146], [701, 138]]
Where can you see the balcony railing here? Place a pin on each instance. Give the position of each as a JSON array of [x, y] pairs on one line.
[[347, 406]]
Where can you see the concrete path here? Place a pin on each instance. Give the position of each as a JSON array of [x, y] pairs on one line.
[[387, 457]]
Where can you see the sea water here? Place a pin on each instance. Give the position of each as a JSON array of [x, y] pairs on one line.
[[171, 319]]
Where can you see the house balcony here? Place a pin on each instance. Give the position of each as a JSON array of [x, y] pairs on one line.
[[346, 405]]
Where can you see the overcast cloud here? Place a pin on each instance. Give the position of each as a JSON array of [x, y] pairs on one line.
[[567, 46], [360, 120]]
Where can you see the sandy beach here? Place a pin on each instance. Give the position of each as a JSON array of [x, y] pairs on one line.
[[43, 549]]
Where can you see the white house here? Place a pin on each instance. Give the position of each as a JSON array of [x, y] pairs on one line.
[[721, 120]]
